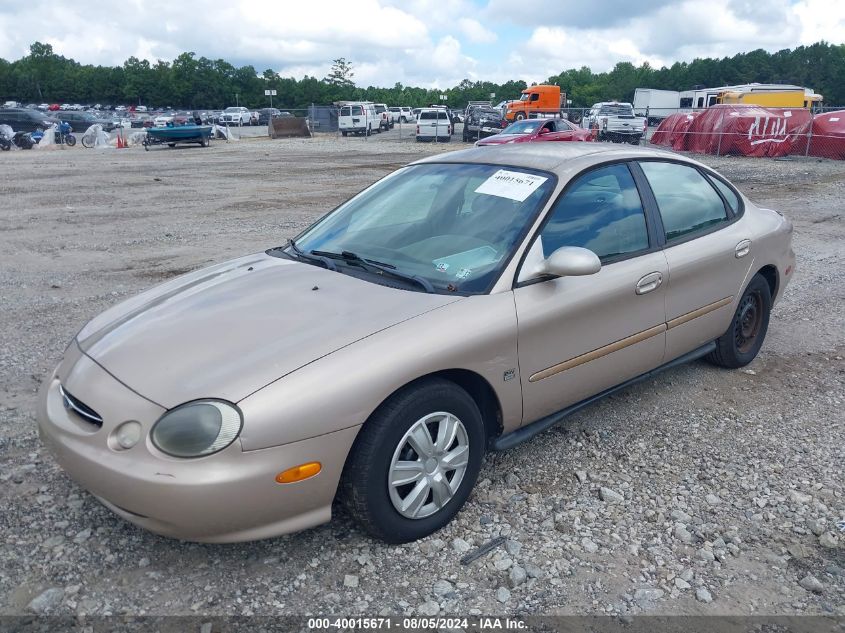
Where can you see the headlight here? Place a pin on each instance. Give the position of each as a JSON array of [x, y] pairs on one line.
[[197, 428]]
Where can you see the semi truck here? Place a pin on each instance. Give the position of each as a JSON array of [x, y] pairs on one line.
[[536, 101]]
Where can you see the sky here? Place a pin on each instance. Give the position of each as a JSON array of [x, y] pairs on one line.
[[429, 43]]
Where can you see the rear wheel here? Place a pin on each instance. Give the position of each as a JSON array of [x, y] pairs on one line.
[[70, 140], [740, 344], [519, 116], [415, 461]]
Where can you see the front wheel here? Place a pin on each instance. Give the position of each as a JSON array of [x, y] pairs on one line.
[[740, 344], [88, 141], [70, 140], [415, 461], [519, 116]]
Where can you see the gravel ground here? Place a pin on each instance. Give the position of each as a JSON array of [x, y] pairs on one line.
[[700, 492]]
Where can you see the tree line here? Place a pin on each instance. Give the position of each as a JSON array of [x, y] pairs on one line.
[[198, 82]]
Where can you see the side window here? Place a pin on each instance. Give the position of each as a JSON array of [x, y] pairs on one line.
[[687, 201], [727, 192], [601, 211]]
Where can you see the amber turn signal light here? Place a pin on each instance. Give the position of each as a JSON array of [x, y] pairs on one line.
[[298, 473]]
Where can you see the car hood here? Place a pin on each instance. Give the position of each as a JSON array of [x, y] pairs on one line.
[[499, 139], [229, 330]]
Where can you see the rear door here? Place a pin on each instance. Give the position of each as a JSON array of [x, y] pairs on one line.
[[708, 248], [562, 131], [581, 335]]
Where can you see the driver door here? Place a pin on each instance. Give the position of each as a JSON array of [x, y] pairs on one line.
[[581, 335]]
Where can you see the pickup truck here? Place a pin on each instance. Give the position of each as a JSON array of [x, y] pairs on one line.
[[616, 122]]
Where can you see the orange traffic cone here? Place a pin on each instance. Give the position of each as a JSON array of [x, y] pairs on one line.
[[120, 143]]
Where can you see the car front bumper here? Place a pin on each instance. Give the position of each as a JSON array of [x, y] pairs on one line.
[[226, 497]]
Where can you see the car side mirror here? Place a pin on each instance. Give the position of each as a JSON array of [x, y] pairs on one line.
[[569, 261]]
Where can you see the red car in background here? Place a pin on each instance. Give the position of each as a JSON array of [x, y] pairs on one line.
[[531, 130]]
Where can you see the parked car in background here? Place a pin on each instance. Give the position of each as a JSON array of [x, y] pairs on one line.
[[358, 118], [235, 115], [616, 122], [141, 108], [401, 115], [81, 121], [26, 119], [481, 121], [385, 115], [163, 119], [253, 117], [266, 114], [434, 124], [141, 120], [531, 130]]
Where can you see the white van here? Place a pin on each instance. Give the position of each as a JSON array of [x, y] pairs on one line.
[[434, 124], [358, 118]]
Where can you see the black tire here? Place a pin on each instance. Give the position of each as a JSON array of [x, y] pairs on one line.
[[740, 344], [5, 145], [343, 133], [171, 144], [364, 487], [87, 141], [70, 140], [519, 116]]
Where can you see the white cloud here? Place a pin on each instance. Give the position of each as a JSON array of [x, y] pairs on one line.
[[418, 42], [475, 31]]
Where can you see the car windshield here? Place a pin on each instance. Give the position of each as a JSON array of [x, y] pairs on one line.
[[454, 226], [232, 110], [523, 127]]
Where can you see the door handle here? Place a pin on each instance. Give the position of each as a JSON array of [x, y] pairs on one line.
[[743, 248], [649, 282]]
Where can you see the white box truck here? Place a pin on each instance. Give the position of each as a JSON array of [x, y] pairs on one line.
[[656, 104]]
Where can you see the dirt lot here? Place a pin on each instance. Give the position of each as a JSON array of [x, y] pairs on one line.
[[731, 483]]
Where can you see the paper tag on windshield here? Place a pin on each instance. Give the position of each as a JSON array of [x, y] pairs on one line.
[[513, 185]]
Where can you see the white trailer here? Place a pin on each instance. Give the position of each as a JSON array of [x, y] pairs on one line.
[[656, 104]]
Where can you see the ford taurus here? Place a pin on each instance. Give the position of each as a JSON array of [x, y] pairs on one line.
[[461, 304]]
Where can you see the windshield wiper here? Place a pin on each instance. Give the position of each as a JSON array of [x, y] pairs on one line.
[[377, 267], [300, 254]]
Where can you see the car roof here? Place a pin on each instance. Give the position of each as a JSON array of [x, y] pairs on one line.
[[560, 158]]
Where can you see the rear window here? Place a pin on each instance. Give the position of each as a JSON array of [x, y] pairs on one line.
[[617, 109], [351, 111], [380, 109], [431, 115]]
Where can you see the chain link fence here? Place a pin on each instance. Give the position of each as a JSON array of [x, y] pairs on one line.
[[747, 130]]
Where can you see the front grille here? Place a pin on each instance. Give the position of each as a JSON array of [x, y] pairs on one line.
[[80, 408]]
